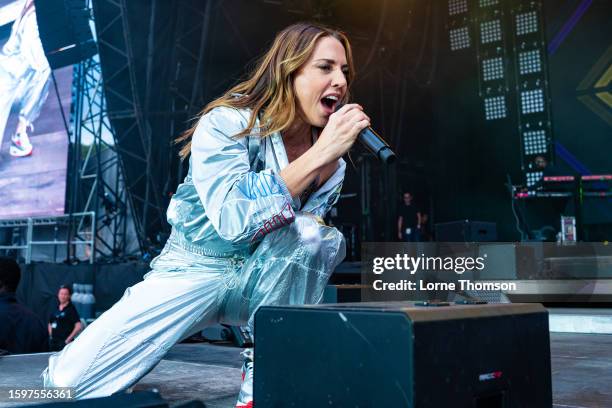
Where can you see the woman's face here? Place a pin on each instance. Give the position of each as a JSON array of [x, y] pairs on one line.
[[63, 295], [321, 82]]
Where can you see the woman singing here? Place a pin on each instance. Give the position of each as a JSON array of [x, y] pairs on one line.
[[265, 167]]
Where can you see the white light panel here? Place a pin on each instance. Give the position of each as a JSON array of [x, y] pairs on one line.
[[457, 7], [530, 62], [495, 107], [533, 178], [490, 31], [532, 101], [493, 68], [459, 38], [526, 23], [535, 142], [486, 3]]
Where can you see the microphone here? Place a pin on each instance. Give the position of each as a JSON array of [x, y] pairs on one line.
[[375, 144]]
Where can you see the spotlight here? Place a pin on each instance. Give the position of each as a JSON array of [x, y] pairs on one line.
[[493, 68], [532, 101], [459, 38], [535, 142], [530, 62], [533, 178], [526, 23], [490, 31], [487, 3], [457, 7], [495, 107]]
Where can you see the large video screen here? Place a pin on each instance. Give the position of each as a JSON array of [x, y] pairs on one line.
[[33, 136]]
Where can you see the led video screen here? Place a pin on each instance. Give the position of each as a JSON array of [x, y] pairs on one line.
[[33, 136]]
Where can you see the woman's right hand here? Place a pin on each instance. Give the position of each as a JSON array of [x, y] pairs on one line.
[[341, 131]]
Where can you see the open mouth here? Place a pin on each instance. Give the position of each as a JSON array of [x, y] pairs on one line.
[[329, 102]]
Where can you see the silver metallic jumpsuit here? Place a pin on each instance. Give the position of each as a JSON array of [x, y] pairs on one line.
[[238, 241], [24, 72]]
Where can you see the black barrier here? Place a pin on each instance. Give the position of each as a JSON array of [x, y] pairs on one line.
[[40, 282]]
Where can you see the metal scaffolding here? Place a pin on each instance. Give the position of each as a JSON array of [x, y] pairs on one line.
[[187, 86], [96, 176], [123, 86], [26, 236]]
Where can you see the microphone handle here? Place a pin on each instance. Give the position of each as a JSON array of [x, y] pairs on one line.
[[376, 145]]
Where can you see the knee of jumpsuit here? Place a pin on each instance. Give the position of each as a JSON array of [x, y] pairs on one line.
[[291, 266]]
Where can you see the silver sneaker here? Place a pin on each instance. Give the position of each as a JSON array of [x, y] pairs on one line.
[[20, 145], [245, 398]]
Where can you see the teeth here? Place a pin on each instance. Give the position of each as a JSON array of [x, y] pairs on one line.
[[332, 97]]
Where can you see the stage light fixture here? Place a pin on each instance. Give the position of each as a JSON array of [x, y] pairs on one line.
[[526, 23], [530, 62], [495, 107], [486, 3], [493, 68], [535, 142], [490, 31], [457, 7], [533, 178], [532, 101], [459, 38]]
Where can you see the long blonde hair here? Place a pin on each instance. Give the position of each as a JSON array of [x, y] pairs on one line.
[[268, 91]]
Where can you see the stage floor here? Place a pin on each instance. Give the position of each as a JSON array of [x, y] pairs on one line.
[[581, 372]]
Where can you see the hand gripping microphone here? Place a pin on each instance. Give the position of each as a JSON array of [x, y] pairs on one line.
[[375, 144]]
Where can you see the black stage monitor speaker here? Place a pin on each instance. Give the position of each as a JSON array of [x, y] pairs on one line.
[[64, 31], [395, 354]]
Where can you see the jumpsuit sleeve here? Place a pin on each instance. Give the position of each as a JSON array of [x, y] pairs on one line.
[[242, 205], [320, 202]]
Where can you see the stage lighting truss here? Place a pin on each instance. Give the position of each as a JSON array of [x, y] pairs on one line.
[[535, 142], [532, 101], [533, 178], [459, 38], [532, 93], [457, 7], [495, 107], [530, 62], [492, 57], [487, 3], [526, 23], [493, 68], [490, 31]]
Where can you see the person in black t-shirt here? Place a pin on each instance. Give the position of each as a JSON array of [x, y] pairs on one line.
[[409, 220], [64, 323], [21, 331]]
